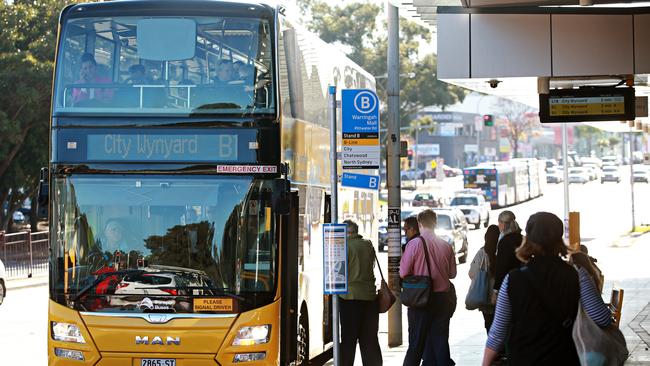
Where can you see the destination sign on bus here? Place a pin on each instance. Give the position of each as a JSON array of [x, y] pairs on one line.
[[162, 145], [592, 104], [138, 147]]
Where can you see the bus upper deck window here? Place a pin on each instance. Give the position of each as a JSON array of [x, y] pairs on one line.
[[166, 39]]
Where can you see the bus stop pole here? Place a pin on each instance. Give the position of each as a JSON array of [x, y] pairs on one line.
[[565, 163], [334, 211], [393, 177], [632, 175]]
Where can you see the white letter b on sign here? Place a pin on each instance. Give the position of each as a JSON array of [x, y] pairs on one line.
[[365, 103], [373, 183]]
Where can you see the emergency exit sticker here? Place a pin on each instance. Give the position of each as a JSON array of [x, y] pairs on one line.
[[214, 304]]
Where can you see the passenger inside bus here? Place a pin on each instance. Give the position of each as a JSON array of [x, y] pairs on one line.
[[137, 75], [88, 75]]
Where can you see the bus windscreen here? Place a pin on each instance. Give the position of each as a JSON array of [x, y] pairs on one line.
[[162, 243], [165, 66]]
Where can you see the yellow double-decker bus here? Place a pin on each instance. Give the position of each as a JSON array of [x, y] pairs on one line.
[[188, 185]]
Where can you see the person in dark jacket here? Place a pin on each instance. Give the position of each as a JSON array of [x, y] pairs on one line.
[[358, 308], [538, 302], [509, 240]]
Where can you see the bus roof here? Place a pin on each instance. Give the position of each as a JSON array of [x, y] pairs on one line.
[[153, 7]]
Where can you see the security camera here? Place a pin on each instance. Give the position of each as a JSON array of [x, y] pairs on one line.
[[493, 83]]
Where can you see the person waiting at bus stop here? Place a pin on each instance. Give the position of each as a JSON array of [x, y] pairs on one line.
[[359, 308], [429, 326], [538, 302], [411, 230], [509, 240]]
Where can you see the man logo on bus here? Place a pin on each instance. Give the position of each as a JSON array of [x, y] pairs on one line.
[[365, 102]]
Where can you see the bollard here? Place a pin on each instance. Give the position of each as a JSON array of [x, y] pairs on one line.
[[31, 252], [574, 231]]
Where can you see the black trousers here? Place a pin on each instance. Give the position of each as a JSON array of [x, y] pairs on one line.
[[429, 333], [359, 323]]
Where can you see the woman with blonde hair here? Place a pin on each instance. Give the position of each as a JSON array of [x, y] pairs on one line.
[[538, 302]]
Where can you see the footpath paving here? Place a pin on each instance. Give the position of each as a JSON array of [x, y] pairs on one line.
[[18, 283]]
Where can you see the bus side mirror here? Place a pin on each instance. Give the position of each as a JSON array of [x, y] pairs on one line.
[[43, 200], [281, 201]]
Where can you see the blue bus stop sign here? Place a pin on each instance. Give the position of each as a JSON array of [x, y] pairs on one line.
[[362, 181], [360, 128]]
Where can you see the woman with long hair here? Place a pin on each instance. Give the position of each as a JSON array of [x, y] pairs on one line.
[[485, 259], [538, 302]]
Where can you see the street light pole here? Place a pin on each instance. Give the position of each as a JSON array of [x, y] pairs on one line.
[[632, 175], [565, 162], [393, 177]]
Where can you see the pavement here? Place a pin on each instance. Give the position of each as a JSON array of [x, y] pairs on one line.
[[34, 281]]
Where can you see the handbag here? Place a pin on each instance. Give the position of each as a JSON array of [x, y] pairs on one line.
[[385, 297], [598, 346], [478, 294], [416, 290]]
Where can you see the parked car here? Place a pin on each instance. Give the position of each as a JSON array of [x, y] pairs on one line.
[[579, 175], [610, 174], [591, 161], [593, 170], [382, 240], [553, 175], [641, 174], [551, 163], [3, 281], [452, 227], [424, 200], [474, 207], [610, 160]]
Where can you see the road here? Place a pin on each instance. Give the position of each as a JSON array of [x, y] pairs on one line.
[[605, 214]]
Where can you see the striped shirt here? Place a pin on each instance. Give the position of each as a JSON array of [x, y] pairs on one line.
[[590, 299]]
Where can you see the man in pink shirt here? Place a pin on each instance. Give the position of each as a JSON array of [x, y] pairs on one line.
[[429, 326]]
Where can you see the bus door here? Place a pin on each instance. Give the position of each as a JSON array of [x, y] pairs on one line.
[[288, 238]]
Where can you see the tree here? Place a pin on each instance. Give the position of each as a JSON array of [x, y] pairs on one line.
[[518, 121], [355, 27], [588, 134], [27, 41]]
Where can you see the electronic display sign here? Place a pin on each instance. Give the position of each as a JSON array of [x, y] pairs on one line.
[[587, 104]]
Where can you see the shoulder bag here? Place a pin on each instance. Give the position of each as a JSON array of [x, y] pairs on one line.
[[385, 297], [416, 290], [479, 290], [597, 346]]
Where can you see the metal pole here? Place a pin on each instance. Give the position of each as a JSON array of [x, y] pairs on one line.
[[415, 158], [393, 177], [335, 210], [566, 179], [632, 175]]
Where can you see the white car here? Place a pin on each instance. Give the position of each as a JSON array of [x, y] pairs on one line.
[[579, 175], [148, 284], [594, 171], [474, 207], [3, 278], [610, 174], [641, 174]]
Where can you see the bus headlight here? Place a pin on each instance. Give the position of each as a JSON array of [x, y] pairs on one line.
[[248, 336], [68, 353], [67, 333]]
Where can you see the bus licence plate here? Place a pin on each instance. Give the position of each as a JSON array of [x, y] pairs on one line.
[[158, 362]]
